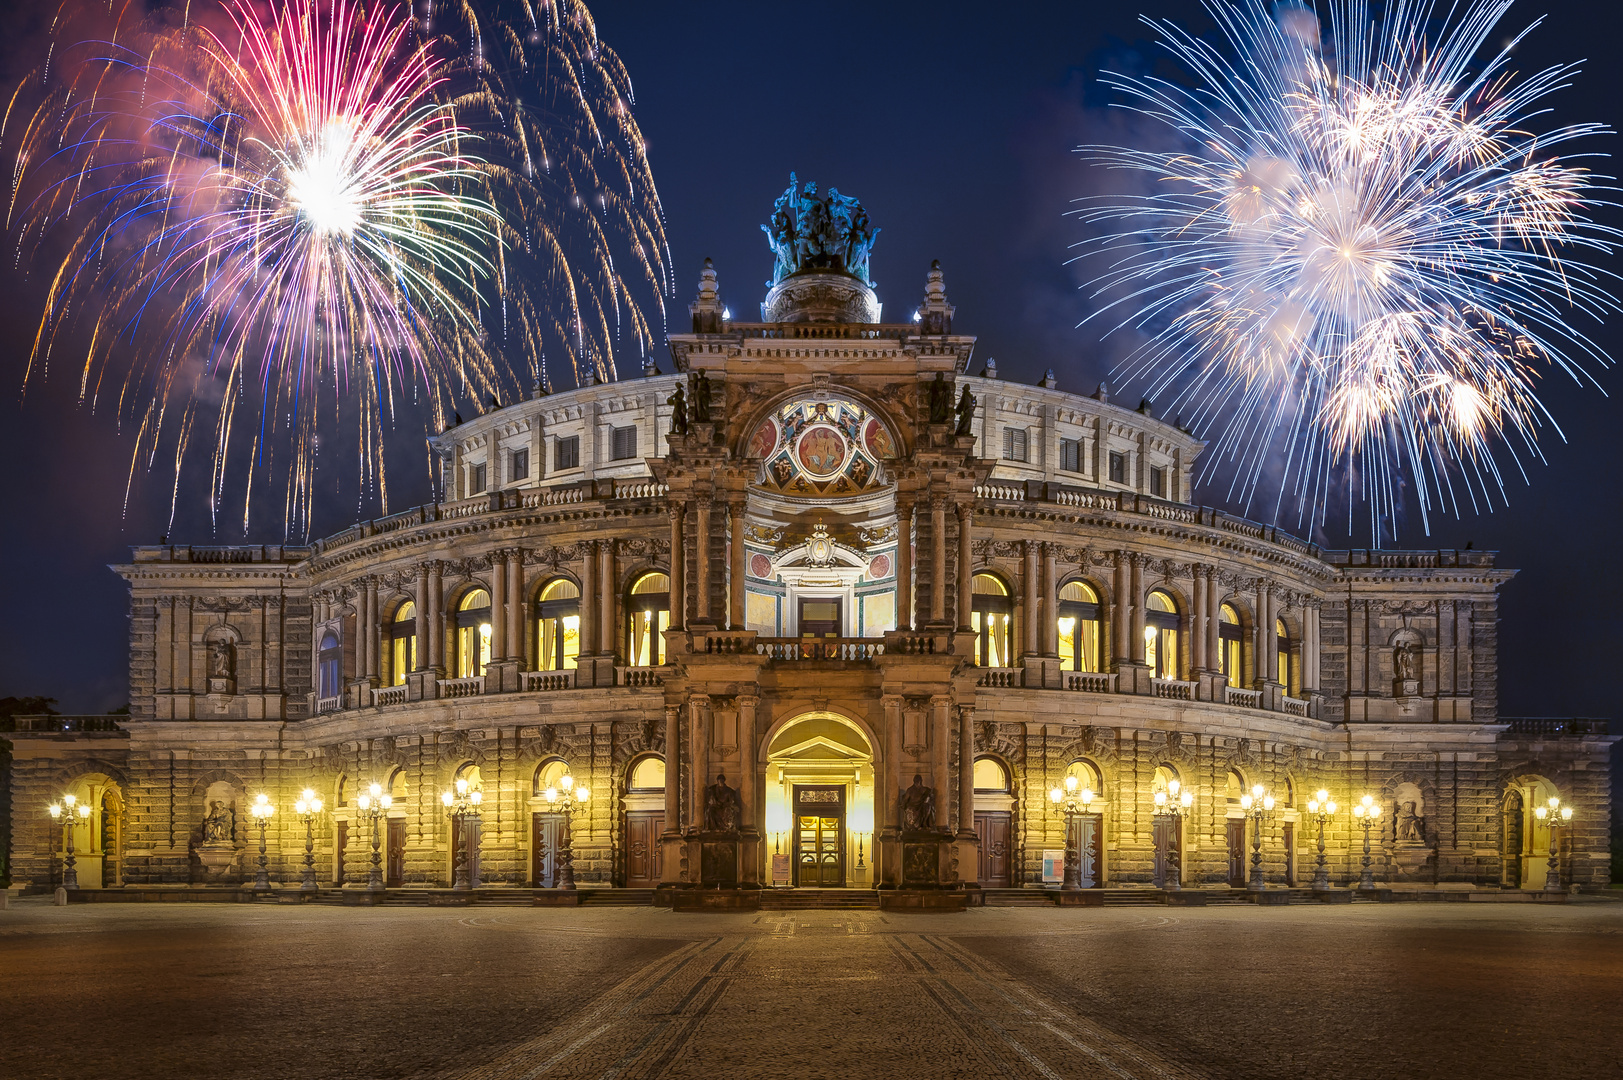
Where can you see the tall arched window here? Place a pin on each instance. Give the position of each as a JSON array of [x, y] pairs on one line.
[[330, 667], [397, 785], [402, 643], [990, 775], [648, 616], [473, 634], [547, 775], [1087, 777], [1078, 627], [557, 636], [1161, 635], [1230, 640], [1285, 658], [1233, 788], [991, 616]]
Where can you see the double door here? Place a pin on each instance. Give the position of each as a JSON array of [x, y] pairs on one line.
[[993, 829], [643, 830], [1168, 851], [394, 864], [1236, 838], [819, 837]]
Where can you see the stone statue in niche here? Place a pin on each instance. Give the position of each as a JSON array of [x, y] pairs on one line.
[[918, 807], [1411, 827], [220, 824], [679, 411], [701, 398], [940, 400], [966, 412], [222, 667], [1406, 667], [723, 812]]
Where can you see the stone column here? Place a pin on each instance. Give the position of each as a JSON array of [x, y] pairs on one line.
[[1197, 639], [1259, 638], [735, 591], [904, 565], [588, 597], [422, 617], [1121, 627], [1050, 604], [885, 816], [498, 605], [1213, 619], [966, 771], [938, 560], [606, 591], [679, 607], [183, 647], [1136, 595], [701, 561], [670, 869], [1033, 644], [699, 763], [515, 605], [750, 856], [966, 565], [1269, 637], [1310, 649], [941, 753], [436, 619]]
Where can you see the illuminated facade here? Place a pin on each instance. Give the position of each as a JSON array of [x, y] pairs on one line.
[[827, 583]]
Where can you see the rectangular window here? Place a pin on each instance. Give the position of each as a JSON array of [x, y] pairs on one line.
[[566, 454], [1014, 444], [1070, 455], [624, 443], [1118, 468], [477, 483], [1158, 482], [521, 465]]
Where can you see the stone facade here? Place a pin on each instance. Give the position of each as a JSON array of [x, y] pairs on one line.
[[807, 563]]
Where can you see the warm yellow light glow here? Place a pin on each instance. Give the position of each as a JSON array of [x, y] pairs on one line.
[[69, 800], [1186, 799], [476, 796], [1566, 813], [566, 781], [1160, 798], [1256, 791], [583, 793], [447, 798], [301, 807], [461, 787], [1540, 812], [387, 801], [1087, 796], [309, 796], [376, 790], [1054, 796], [1245, 802], [551, 795], [1071, 782], [56, 810]]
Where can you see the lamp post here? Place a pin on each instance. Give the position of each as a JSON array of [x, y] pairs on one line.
[[308, 807], [1066, 799], [461, 805], [862, 825], [571, 797], [1367, 812], [262, 811], [1321, 807], [1556, 817], [1170, 804], [1258, 804], [374, 804], [70, 812]]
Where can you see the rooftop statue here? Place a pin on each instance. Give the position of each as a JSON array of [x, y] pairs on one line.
[[809, 231]]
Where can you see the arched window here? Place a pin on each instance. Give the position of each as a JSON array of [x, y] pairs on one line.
[[330, 667], [1087, 777], [1229, 642], [342, 792], [1286, 668], [557, 637], [402, 644], [647, 776], [396, 787], [469, 772], [1161, 635], [991, 616], [648, 616], [1233, 788], [1164, 776], [473, 634], [991, 776], [1078, 627], [548, 773]]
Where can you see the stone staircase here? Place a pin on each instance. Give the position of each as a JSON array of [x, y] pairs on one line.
[[617, 897], [819, 899]]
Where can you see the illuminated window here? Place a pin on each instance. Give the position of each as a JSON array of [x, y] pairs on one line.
[[557, 637], [396, 786], [1229, 643], [1087, 777], [990, 775], [1078, 627], [1285, 670], [473, 634], [648, 775], [648, 616], [402, 645], [1161, 635], [1233, 788], [330, 668], [992, 617], [548, 773]]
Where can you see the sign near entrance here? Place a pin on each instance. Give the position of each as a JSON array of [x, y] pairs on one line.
[[780, 870], [1053, 866]]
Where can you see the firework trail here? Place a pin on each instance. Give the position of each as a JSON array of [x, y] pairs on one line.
[[268, 222], [1363, 259]]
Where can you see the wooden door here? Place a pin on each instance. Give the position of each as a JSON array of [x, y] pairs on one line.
[[394, 865], [341, 852], [643, 830], [1086, 842], [1236, 836], [820, 851], [1168, 851], [994, 827], [820, 617], [1289, 833], [544, 850], [466, 834]]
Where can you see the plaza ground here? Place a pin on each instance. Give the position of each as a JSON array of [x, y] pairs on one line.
[[252, 991]]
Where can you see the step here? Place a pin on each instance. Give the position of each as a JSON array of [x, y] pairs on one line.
[[819, 899], [617, 897]]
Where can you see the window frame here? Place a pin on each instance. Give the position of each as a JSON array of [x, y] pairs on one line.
[[518, 462], [565, 446], [1070, 455], [629, 431], [1016, 439], [558, 609], [1118, 467], [1085, 612], [1169, 637], [470, 618], [982, 607], [1158, 482], [647, 604]]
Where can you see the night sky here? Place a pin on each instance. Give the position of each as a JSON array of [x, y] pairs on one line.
[[953, 123]]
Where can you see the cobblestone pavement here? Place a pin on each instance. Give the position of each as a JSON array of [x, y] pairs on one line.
[[1371, 991]]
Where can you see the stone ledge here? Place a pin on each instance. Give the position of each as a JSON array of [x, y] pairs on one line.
[[716, 900], [923, 900]]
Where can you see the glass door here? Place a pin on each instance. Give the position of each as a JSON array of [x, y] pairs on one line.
[[819, 838]]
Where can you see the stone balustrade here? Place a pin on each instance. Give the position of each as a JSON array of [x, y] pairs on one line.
[[472, 686]]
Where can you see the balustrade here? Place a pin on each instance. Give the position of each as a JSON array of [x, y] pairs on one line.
[[1001, 677], [461, 688], [1175, 689], [1241, 697], [640, 676], [820, 648], [1091, 682], [550, 680], [388, 695], [329, 704]]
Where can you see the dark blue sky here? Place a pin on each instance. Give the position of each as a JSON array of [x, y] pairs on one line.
[[953, 123]]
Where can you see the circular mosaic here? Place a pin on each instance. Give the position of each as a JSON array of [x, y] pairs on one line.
[[760, 566], [879, 567], [821, 450]]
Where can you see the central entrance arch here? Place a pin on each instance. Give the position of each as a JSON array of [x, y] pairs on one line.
[[819, 803]]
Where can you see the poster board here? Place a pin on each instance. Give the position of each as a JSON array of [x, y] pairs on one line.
[[1053, 866]]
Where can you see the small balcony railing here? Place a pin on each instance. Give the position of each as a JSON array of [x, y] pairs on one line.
[[1090, 682], [329, 704], [1240, 697], [820, 648], [549, 680], [1003, 678], [1175, 689], [389, 695], [461, 688]]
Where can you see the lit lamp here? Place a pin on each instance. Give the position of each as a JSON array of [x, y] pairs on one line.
[[1367, 812], [862, 825], [462, 806], [1321, 807], [374, 804], [572, 796], [1556, 817], [262, 811], [1171, 804], [1068, 799], [70, 812], [308, 807], [777, 823], [1258, 805]]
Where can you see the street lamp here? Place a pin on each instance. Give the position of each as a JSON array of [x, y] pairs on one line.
[[308, 807], [1066, 799], [1367, 812], [461, 806], [1321, 807], [862, 825], [374, 804], [262, 810], [571, 797], [1171, 804], [70, 812], [1258, 805], [1556, 817]]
